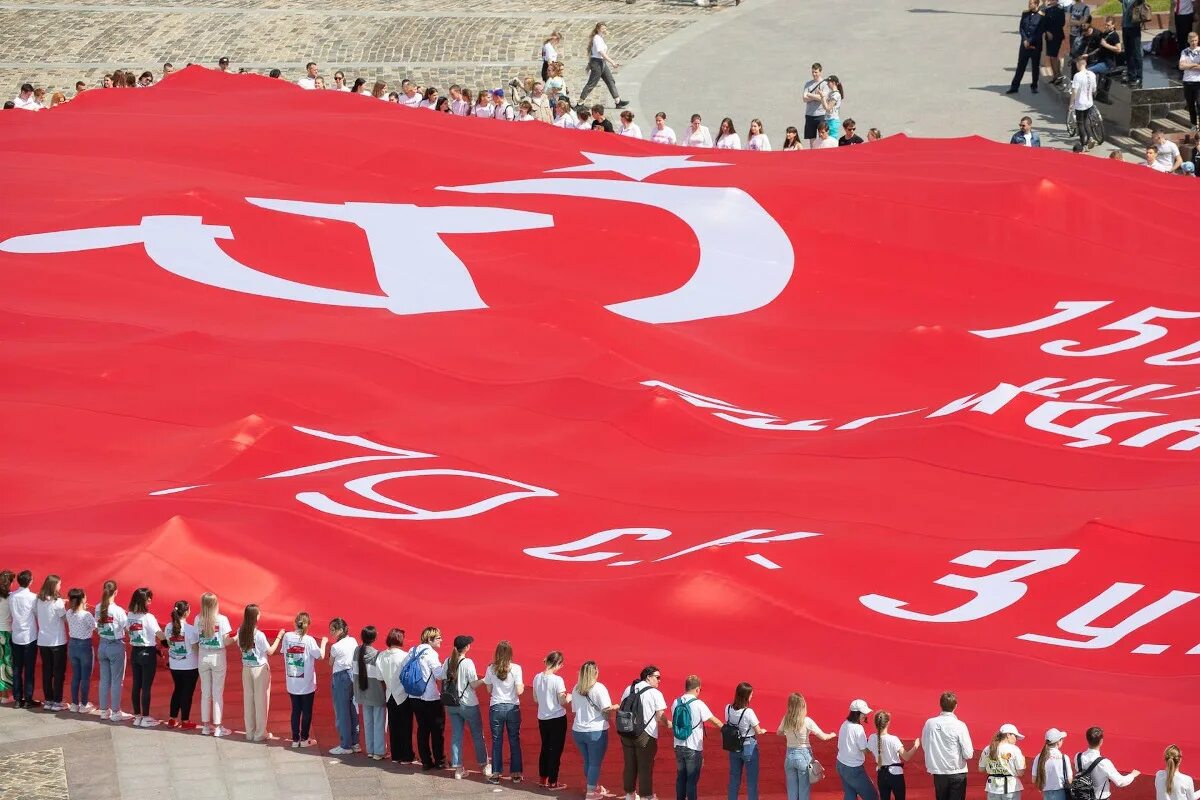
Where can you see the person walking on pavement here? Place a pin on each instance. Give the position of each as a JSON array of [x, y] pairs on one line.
[[600, 66], [1031, 29]]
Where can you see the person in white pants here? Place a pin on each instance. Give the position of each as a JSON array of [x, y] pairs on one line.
[[213, 629], [256, 674]]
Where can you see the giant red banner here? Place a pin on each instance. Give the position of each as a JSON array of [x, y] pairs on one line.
[[872, 422]]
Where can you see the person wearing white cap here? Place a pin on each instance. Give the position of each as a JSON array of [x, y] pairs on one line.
[[1170, 783], [1003, 763], [1051, 768], [947, 744], [852, 754]]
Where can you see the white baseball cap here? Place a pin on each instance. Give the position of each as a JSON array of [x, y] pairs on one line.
[[1054, 735], [860, 706], [1008, 727]]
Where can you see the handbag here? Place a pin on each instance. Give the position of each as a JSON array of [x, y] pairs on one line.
[[815, 771], [1141, 13]]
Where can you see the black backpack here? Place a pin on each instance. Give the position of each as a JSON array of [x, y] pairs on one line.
[[731, 733], [1082, 787], [630, 719]]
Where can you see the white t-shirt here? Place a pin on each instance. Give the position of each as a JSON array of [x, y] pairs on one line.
[[630, 130], [599, 48], [22, 605], [80, 624], [835, 98], [51, 627], [429, 665], [1192, 56], [549, 54], [181, 649], [220, 638], [1184, 788], [483, 110], [887, 752], [429, 104], [460, 108], [143, 630], [256, 656], [746, 722], [813, 108], [1168, 151], [1056, 761], [388, 662], [547, 690], [826, 143], [307, 83], [300, 654], [1010, 761], [410, 102], [504, 691], [699, 712], [730, 141], [341, 654], [589, 708], [852, 740], [566, 120], [662, 135], [1083, 85], [503, 112], [652, 703], [758, 141], [29, 105], [110, 625], [466, 675], [800, 738]]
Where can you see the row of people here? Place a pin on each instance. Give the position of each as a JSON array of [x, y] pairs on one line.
[[392, 687]]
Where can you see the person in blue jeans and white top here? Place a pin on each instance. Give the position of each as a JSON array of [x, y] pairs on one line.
[[110, 627], [689, 749], [464, 711], [1051, 768], [592, 704], [852, 755], [369, 694], [505, 682], [80, 627], [798, 727], [740, 713], [341, 662]]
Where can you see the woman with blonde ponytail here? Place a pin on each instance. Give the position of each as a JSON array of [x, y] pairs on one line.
[[1170, 783], [1052, 772], [890, 755], [798, 727], [1003, 763], [214, 632]]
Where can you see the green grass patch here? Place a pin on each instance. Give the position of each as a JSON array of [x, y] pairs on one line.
[[1114, 7]]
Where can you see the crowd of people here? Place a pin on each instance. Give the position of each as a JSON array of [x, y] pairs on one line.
[[547, 100], [379, 688]]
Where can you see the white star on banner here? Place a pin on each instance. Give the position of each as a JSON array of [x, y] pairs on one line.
[[636, 167]]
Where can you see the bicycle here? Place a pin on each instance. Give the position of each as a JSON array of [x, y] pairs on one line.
[[1094, 126]]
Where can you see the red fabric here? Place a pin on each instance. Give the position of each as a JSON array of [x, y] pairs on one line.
[[122, 379]]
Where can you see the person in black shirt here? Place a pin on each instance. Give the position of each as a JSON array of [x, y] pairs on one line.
[[1102, 50], [1054, 22], [598, 120], [848, 136], [1030, 52]]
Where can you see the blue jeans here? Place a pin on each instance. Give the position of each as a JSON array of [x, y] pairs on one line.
[[1131, 38], [80, 653], [795, 772], [746, 757], [505, 717], [112, 672], [372, 728], [345, 715], [856, 783], [687, 772], [592, 746], [1055, 794], [471, 718]]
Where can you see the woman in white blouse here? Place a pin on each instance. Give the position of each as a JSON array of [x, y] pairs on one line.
[[592, 703], [797, 727], [550, 52], [757, 139], [550, 693], [1051, 769], [661, 133], [503, 679], [852, 754], [727, 138], [697, 135], [1170, 783], [52, 641], [80, 626], [627, 128]]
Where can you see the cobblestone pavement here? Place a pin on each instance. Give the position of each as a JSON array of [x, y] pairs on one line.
[[434, 42], [36, 775]]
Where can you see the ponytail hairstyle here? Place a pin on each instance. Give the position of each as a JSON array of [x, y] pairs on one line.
[[338, 626], [367, 635], [882, 720], [303, 620], [554, 659], [595, 32], [741, 696], [208, 614], [502, 660], [994, 747], [452, 664], [75, 598], [6, 579], [247, 628], [49, 590], [589, 673], [139, 601], [1172, 755], [797, 714], [1039, 777], [178, 615], [838, 85], [106, 596]]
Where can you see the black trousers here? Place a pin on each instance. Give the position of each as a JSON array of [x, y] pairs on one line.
[[400, 731], [1191, 99], [302, 708], [431, 732], [950, 787], [1028, 57], [144, 661], [890, 785], [639, 753], [185, 681], [554, 736], [54, 672], [546, 66], [24, 673]]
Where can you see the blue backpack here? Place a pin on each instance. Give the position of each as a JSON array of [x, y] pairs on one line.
[[412, 677], [681, 719]]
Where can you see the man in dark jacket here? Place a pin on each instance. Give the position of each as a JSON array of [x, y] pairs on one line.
[[1030, 55]]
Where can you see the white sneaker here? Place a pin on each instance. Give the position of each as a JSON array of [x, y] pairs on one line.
[[105, 713], [73, 708], [356, 749], [221, 730], [459, 773], [87, 709], [137, 720], [487, 770], [120, 716], [340, 751], [206, 730], [150, 722], [295, 745]]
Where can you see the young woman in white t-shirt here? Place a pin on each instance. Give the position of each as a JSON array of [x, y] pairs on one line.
[[890, 755], [740, 713], [1051, 769], [341, 662], [144, 636], [697, 134], [51, 611], [1170, 783], [832, 101], [1003, 763], [600, 66], [757, 140], [300, 656], [462, 679], [80, 627], [504, 682], [550, 52], [661, 133], [626, 126], [483, 105], [727, 138], [110, 627], [592, 704], [551, 695], [798, 728], [851, 757], [183, 659], [256, 674], [213, 629]]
